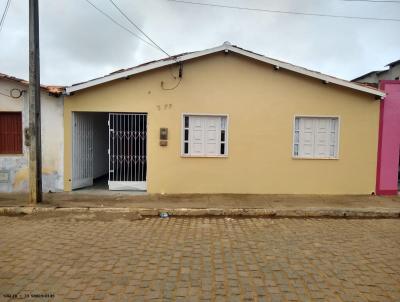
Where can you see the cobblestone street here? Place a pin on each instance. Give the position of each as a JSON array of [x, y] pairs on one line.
[[114, 257]]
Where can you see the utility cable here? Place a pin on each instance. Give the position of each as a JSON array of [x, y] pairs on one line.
[[152, 44], [152, 41], [119, 24], [374, 1], [137, 27], [3, 17], [284, 12], [13, 96]]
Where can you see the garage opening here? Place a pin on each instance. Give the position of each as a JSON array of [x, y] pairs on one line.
[[109, 151]]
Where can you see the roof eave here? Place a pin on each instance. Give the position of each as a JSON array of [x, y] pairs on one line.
[[140, 69], [224, 47], [313, 74]]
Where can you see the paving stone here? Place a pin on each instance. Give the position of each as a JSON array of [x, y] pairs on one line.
[[200, 259], [73, 295], [99, 295]]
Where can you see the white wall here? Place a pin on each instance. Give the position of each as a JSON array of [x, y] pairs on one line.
[[52, 141]]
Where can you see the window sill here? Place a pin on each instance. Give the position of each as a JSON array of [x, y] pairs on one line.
[[203, 156], [11, 154], [313, 158]]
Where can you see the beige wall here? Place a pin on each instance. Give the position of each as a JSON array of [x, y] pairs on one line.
[[261, 104]]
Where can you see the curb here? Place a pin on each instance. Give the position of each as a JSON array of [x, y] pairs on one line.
[[238, 212]]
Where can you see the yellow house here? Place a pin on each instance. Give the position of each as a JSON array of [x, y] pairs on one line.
[[222, 120]]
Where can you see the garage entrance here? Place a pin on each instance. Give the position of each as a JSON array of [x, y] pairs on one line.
[[109, 150]]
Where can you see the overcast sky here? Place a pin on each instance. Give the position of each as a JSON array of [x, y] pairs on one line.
[[78, 43]]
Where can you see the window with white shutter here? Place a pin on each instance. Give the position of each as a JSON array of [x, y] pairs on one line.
[[204, 135], [315, 137]]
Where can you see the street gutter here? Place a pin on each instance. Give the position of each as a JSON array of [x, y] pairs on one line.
[[310, 212]]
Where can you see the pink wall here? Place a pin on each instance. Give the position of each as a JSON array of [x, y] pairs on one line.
[[389, 140]]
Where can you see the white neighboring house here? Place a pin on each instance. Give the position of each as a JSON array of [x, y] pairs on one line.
[[14, 153]]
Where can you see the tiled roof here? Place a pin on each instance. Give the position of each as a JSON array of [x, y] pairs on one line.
[[56, 90]]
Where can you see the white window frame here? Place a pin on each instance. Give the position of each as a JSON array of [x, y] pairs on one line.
[[336, 157], [205, 115]]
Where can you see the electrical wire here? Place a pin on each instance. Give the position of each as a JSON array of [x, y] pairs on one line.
[[119, 24], [3, 17], [152, 41], [10, 94], [174, 77], [137, 27], [171, 88], [284, 12], [152, 44], [375, 1]]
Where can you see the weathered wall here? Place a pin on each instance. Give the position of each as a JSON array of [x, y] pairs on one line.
[[391, 74], [389, 145], [261, 104], [372, 78], [52, 141]]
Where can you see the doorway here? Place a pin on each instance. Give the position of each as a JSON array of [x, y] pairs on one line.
[[128, 149], [109, 151]]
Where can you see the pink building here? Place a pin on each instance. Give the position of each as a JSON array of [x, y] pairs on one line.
[[388, 170], [387, 179]]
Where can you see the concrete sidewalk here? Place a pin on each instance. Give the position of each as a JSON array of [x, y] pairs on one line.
[[211, 204]]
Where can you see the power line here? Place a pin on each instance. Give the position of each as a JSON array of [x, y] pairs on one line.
[[119, 24], [375, 1], [284, 12], [137, 27], [3, 17]]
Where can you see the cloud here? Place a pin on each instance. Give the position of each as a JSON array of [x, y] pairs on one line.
[[78, 43]]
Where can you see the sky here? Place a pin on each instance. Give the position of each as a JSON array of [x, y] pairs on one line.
[[77, 43]]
